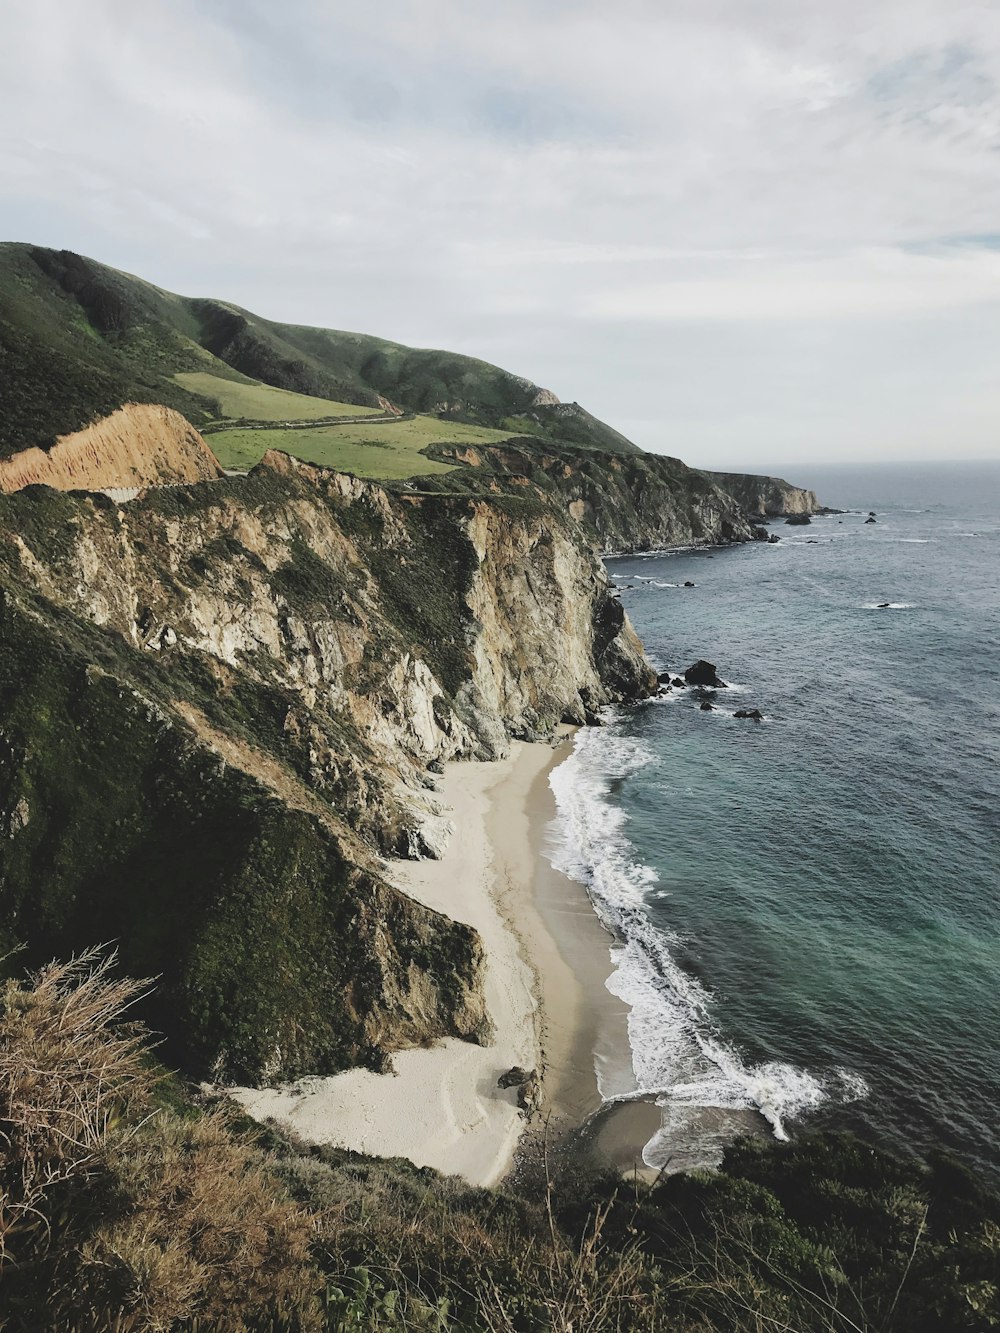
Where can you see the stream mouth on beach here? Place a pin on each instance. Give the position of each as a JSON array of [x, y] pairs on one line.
[[806, 928]]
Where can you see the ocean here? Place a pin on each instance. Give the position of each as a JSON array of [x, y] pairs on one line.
[[808, 907]]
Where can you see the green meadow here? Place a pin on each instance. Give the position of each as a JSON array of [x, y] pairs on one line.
[[261, 402], [389, 450]]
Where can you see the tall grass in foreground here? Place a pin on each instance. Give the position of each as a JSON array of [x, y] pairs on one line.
[[128, 1205]]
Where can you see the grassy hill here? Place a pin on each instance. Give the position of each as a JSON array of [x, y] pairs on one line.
[[78, 339]]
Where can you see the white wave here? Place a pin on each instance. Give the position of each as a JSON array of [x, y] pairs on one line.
[[678, 1056]]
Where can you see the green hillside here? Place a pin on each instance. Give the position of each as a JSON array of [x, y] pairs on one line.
[[383, 449], [78, 339]]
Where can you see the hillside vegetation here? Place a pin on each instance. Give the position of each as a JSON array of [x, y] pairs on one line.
[[240, 399], [127, 1203], [79, 339], [382, 449]]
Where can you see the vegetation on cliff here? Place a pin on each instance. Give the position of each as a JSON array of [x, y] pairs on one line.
[[79, 339], [126, 1203], [217, 708]]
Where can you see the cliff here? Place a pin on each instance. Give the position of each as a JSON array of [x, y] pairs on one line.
[[768, 496], [139, 445], [218, 705], [622, 502]]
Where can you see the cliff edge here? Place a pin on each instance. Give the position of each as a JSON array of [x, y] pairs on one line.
[[221, 706]]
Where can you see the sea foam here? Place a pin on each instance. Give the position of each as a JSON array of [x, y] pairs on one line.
[[680, 1059]]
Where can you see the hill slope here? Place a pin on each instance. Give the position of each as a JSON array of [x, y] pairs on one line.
[[79, 339]]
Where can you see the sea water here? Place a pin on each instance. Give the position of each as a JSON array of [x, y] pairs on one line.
[[807, 908]]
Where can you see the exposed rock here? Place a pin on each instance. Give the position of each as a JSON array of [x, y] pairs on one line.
[[514, 1078], [529, 1094], [330, 639], [706, 706], [871, 519], [754, 713], [664, 677], [688, 583], [137, 446], [798, 520], [704, 673], [623, 502], [765, 497]]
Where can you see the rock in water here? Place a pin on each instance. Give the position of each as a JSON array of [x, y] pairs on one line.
[[688, 583], [870, 518], [706, 706], [798, 520], [704, 673], [754, 713]]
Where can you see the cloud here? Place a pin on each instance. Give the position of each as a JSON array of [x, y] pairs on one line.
[[546, 183]]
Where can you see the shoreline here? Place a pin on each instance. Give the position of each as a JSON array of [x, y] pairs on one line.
[[547, 961]]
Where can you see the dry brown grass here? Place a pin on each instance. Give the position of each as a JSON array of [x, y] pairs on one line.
[[115, 1214]]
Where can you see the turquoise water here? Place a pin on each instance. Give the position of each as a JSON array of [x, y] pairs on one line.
[[809, 907]]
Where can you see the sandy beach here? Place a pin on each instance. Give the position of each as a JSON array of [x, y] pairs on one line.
[[547, 962]]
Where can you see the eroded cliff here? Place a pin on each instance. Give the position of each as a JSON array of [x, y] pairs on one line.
[[140, 445], [256, 673], [771, 497], [622, 502]]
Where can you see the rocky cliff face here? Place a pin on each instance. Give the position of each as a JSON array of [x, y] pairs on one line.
[[256, 673], [770, 496], [623, 502], [139, 445]]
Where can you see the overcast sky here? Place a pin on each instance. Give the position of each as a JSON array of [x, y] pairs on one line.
[[741, 231]]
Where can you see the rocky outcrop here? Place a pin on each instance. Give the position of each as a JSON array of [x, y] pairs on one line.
[[623, 502], [139, 445], [219, 706], [704, 673], [769, 497]]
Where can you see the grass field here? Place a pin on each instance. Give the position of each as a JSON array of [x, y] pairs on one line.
[[261, 402], [388, 449]]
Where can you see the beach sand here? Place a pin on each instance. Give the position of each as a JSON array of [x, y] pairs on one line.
[[547, 961]]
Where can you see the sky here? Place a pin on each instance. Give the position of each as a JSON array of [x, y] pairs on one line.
[[740, 231]]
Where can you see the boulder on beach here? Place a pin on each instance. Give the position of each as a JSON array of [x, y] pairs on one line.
[[513, 1078], [704, 673]]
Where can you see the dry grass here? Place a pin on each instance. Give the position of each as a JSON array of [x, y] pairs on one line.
[[115, 1214]]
